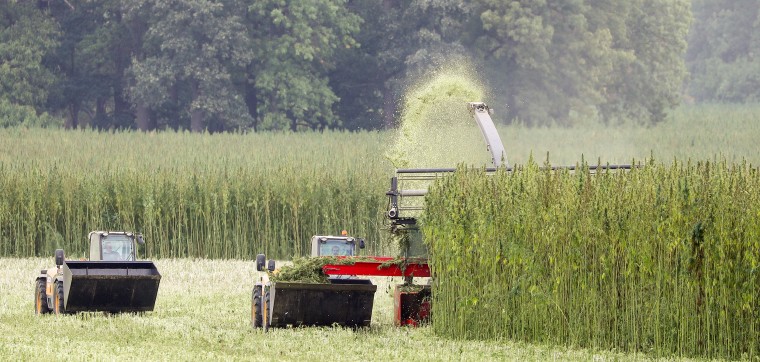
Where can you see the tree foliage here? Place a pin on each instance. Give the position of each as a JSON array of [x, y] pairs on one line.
[[223, 65], [566, 59], [12, 115], [723, 57], [192, 45], [27, 35], [401, 43], [294, 43]]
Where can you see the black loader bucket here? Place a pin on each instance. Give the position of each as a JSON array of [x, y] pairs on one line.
[[347, 302], [110, 286]]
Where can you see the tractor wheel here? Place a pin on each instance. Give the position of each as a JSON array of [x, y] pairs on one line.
[[256, 307], [58, 299], [266, 319], [261, 261], [40, 299]]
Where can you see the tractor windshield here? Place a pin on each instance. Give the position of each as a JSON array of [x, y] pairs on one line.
[[117, 247], [336, 247]]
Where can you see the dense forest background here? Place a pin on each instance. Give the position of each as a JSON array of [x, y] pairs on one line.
[[234, 65]]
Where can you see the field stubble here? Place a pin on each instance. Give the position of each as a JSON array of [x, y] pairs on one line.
[[202, 313]]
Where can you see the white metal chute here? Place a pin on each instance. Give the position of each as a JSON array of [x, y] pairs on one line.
[[482, 115], [412, 183]]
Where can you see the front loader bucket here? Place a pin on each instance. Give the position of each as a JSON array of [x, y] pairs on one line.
[[348, 303], [110, 286]]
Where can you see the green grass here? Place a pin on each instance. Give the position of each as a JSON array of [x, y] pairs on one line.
[[202, 313]]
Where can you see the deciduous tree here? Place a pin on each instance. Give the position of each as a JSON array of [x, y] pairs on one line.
[[723, 53], [189, 48], [27, 35]]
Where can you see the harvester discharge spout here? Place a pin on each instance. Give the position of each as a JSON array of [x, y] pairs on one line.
[[482, 115], [405, 215]]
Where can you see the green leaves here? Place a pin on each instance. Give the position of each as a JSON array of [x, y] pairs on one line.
[[190, 194], [26, 37], [562, 62], [298, 65], [294, 49], [12, 115], [722, 58], [199, 44], [634, 260]]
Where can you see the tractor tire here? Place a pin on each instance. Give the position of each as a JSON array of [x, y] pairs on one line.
[[58, 299], [266, 319], [256, 307], [40, 299], [261, 260]]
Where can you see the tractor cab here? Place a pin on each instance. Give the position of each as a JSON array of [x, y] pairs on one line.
[[114, 245], [334, 245]]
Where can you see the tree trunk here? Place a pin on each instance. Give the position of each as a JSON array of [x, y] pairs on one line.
[[120, 103], [196, 120], [122, 59], [252, 101], [98, 121], [196, 114], [72, 121], [142, 117]]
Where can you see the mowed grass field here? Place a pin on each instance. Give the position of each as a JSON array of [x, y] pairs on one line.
[[203, 313]]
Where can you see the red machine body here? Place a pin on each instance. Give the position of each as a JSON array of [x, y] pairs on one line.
[[411, 303], [380, 267]]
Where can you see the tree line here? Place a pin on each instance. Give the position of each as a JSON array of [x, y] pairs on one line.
[[310, 65]]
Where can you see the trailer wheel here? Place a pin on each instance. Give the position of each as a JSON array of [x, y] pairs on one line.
[[256, 307], [40, 299], [58, 299]]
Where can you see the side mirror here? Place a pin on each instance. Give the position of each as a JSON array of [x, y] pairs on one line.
[[140, 240], [270, 266], [59, 257], [261, 259], [361, 243]]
